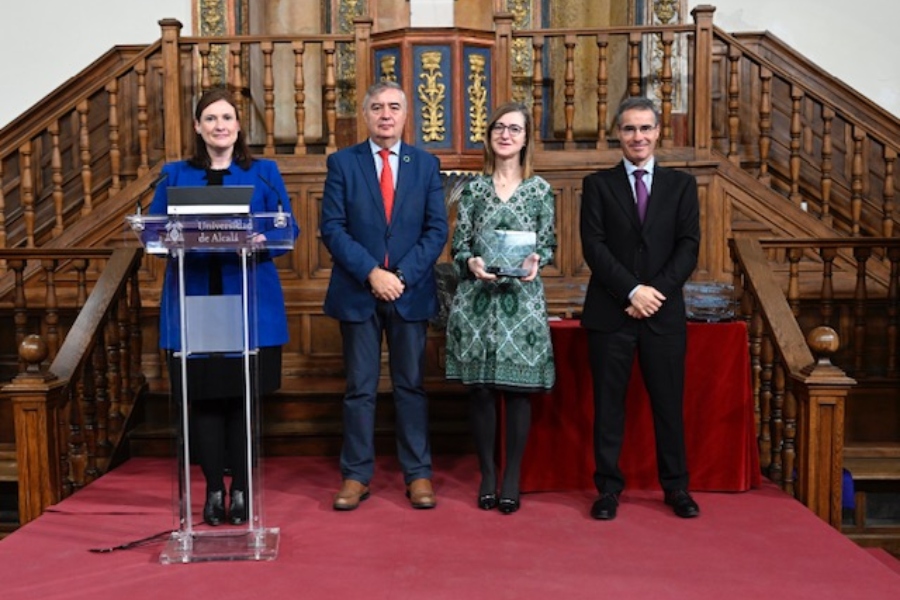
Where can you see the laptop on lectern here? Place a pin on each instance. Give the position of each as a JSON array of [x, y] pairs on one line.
[[210, 199]]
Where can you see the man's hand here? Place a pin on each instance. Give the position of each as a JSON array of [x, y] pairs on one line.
[[645, 302], [385, 285]]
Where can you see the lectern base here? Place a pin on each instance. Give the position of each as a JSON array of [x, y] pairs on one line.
[[230, 544]]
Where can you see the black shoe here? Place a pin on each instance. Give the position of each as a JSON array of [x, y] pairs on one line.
[[214, 509], [487, 501], [508, 506], [237, 510], [606, 506], [682, 503]]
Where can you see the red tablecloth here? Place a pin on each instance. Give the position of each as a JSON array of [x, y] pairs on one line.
[[718, 410]]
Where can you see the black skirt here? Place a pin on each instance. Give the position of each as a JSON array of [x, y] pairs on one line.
[[217, 377]]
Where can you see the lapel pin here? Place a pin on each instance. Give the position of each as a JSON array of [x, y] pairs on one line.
[[406, 158]]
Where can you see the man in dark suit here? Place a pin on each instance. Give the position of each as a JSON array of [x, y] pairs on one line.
[[640, 231], [384, 223]]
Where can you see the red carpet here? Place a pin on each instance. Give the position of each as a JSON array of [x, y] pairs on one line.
[[756, 544]]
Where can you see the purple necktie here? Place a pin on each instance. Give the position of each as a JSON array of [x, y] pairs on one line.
[[640, 193]]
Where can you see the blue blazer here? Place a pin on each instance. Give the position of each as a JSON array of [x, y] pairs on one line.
[[271, 318], [356, 232]]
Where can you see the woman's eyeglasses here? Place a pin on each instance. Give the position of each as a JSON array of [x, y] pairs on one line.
[[514, 130]]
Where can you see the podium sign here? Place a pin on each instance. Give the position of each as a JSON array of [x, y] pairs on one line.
[[201, 319]]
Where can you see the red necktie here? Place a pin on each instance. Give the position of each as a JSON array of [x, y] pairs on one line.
[[640, 193], [387, 183]]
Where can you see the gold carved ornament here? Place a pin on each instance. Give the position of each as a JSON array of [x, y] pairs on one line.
[[432, 93], [477, 99], [389, 68]]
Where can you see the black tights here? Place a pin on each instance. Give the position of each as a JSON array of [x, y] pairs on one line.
[[483, 417], [218, 427]]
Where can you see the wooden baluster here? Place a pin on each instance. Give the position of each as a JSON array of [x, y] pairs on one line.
[[796, 133], [299, 97], [893, 253], [2, 220], [20, 305], [766, 358], [668, 38], [142, 118], [120, 380], [80, 266], [77, 450], [94, 407], [887, 226], [66, 441], [755, 333], [765, 124], [570, 41], [827, 302], [794, 255], [537, 89], [602, 90], [135, 340], [107, 385], [856, 185], [776, 469], [203, 49], [27, 187], [860, 300], [734, 105], [789, 439], [634, 63], [115, 154], [51, 307], [237, 80], [84, 145], [330, 96], [827, 119], [56, 176], [268, 97]]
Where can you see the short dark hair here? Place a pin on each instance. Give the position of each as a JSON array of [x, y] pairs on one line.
[[526, 155], [636, 103], [241, 155]]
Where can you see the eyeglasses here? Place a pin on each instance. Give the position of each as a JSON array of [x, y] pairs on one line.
[[629, 130], [514, 130]]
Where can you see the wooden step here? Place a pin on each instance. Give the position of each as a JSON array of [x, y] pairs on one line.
[[874, 461], [9, 466]]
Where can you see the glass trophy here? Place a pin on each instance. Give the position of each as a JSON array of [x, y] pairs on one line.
[[504, 251]]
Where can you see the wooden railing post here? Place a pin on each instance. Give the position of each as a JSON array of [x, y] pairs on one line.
[[172, 90], [821, 392], [36, 398], [362, 30], [503, 23], [703, 44]]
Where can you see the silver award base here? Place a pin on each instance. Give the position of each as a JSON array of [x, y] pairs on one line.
[[224, 545]]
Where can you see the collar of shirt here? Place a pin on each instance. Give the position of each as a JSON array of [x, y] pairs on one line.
[[630, 168], [394, 158]]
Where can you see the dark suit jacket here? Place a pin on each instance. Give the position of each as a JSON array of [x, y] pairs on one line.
[[357, 234], [622, 253]]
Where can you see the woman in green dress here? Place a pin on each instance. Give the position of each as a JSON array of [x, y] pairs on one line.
[[498, 338]]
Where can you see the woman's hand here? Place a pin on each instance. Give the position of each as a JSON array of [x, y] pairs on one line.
[[533, 264], [477, 267]]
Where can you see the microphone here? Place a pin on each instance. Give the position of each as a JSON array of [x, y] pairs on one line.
[[280, 220]]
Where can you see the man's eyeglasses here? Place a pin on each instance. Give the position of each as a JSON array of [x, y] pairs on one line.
[[629, 130], [514, 130]]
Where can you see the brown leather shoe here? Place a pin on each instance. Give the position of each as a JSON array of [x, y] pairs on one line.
[[351, 494], [421, 494]]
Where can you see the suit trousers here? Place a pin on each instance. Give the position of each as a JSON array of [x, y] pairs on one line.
[[661, 358], [362, 360]]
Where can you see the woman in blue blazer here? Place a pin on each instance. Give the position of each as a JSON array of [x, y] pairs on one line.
[[215, 383]]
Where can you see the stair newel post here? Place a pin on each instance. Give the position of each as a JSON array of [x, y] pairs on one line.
[[36, 397], [703, 45], [503, 24], [821, 390], [362, 31], [172, 89]]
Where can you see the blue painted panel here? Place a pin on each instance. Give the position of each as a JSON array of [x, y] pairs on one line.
[[388, 61], [476, 60], [435, 72]]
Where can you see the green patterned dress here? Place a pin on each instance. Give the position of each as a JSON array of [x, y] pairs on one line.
[[497, 331]]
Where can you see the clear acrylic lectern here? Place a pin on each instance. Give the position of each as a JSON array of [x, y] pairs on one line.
[[202, 334]]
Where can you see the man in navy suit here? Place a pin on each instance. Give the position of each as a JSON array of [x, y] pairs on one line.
[[640, 232], [384, 223]]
